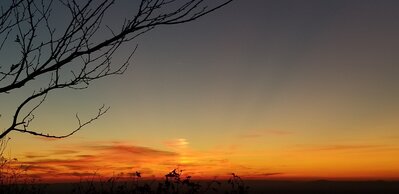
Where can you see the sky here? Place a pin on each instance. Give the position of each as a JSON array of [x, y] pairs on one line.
[[268, 89]]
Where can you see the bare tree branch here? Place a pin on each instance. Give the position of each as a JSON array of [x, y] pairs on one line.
[[102, 110], [72, 56]]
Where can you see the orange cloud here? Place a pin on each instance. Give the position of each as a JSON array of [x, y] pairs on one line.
[[82, 160], [110, 158], [180, 143]]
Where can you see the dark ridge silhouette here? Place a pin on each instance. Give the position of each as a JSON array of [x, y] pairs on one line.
[[14, 181]]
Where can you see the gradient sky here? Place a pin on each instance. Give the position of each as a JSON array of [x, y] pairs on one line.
[[266, 89]]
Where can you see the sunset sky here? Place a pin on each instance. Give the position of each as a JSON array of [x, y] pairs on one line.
[[268, 89]]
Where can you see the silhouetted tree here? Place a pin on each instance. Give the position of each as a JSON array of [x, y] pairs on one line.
[[71, 54]]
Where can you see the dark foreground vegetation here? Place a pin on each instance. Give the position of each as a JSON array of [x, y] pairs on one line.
[[175, 183], [284, 187]]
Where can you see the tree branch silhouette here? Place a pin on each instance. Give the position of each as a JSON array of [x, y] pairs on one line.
[[72, 56]]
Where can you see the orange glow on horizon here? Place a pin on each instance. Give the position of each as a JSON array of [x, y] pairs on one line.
[[99, 160]]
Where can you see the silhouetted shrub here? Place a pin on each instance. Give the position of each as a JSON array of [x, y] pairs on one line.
[[173, 183]]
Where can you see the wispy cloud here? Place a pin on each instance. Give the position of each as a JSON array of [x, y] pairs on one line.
[[123, 148], [180, 143], [84, 159], [63, 152], [50, 153], [263, 133], [266, 175], [348, 147], [272, 173], [108, 158], [341, 147], [250, 135]]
